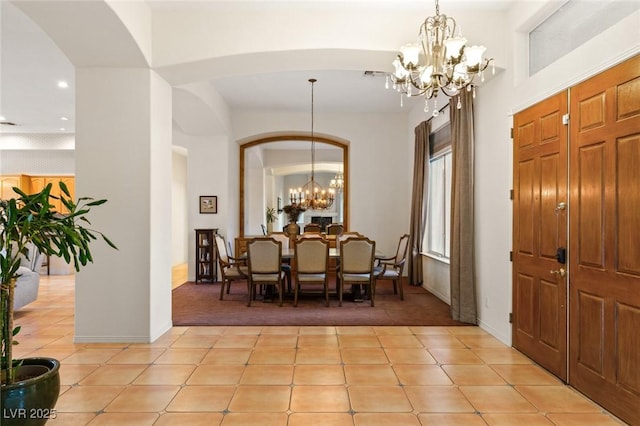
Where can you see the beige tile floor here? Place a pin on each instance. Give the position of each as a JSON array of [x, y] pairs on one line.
[[296, 376]]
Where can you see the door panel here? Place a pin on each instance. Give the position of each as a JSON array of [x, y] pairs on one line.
[[591, 203], [550, 172], [524, 319], [628, 339], [604, 223], [591, 322], [549, 313], [525, 217], [540, 228], [628, 205]]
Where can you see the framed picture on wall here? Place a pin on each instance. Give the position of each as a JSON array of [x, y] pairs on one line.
[[208, 204]]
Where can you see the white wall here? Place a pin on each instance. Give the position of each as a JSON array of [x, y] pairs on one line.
[[207, 174], [436, 275], [202, 127], [255, 188], [37, 154], [123, 152], [179, 206]]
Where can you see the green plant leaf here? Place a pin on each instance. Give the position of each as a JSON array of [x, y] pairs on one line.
[[64, 189]]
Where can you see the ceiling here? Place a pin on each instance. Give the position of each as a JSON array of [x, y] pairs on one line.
[[32, 65]]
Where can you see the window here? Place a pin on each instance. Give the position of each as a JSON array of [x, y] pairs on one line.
[[439, 206], [572, 25], [436, 240]]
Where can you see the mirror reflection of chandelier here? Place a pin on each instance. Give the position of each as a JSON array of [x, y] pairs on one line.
[[440, 62], [312, 195], [337, 183]]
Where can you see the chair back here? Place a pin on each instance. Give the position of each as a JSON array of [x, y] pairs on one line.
[[345, 236], [357, 255], [221, 248], [264, 256], [282, 237], [312, 256], [401, 254], [313, 227], [335, 229]]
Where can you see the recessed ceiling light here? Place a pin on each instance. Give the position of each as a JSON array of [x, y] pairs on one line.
[[2, 118], [63, 84], [64, 118], [62, 129]]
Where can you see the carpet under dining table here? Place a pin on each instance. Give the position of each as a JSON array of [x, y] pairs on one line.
[[199, 304]]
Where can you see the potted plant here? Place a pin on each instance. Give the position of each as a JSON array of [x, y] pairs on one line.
[[293, 212], [271, 217], [30, 387]]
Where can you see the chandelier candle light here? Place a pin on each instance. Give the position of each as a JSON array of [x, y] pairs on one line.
[[337, 183], [440, 62], [312, 195]]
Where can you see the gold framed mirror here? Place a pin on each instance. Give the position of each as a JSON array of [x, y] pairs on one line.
[[269, 166]]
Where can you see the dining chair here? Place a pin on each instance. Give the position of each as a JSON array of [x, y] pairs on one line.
[[335, 229], [339, 239], [390, 268], [312, 227], [264, 258], [357, 256], [312, 266], [346, 235], [231, 268], [286, 265]]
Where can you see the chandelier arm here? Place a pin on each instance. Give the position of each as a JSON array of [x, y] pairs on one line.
[[442, 65], [449, 92]]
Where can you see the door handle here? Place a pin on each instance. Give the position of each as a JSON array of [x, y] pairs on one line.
[[560, 272]]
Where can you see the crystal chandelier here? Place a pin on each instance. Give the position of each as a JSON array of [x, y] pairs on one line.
[[440, 62], [337, 183], [312, 195]]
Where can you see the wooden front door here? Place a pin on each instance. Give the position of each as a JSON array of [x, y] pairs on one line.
[[605, 239], [539, 230]]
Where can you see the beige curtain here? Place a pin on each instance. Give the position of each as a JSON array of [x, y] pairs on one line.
[[462, 262], [418, 201]]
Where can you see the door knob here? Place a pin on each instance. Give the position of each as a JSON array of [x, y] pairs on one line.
[[560, 272]]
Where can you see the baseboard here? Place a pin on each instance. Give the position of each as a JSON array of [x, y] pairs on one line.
[[111, 339], [504, 339], [439, 295], [161, 330]]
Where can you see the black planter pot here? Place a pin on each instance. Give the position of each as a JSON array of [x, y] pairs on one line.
[[30, 401]]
